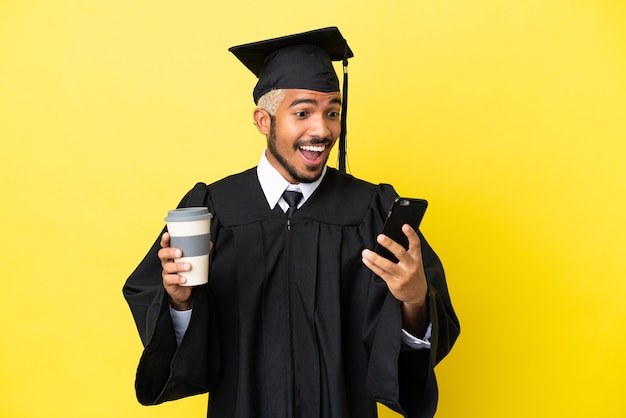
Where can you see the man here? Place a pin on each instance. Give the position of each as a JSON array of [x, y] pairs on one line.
[[299, 318]]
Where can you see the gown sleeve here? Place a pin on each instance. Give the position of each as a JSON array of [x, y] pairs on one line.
[[402, 379], [167, 371]]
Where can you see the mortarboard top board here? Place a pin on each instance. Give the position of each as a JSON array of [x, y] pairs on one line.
[[253, 54], [300, 61]]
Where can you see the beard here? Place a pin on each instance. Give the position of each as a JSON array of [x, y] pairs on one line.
[[308, 177]]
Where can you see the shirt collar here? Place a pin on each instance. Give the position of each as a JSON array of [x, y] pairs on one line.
[[274, 184]]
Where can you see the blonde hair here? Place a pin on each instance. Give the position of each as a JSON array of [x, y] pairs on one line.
[[270, 100]]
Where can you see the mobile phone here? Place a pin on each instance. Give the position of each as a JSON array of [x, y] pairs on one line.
[[404, 210]]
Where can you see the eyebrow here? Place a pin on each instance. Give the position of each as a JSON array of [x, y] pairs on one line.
[[334, 100]]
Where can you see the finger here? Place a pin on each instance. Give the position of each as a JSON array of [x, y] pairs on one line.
[[381, 266], [172, 267], [169, 253], [165, 240], [414, 239], [173, 280], [393, 247]]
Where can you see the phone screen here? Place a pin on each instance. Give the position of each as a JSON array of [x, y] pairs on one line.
[[403, 211]]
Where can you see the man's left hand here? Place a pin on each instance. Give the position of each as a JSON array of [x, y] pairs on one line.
[[405, 279]]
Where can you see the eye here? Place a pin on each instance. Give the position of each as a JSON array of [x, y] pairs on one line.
[[302, 114], [333, 115]]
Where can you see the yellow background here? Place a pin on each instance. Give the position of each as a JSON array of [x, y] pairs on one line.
[[508, 116]]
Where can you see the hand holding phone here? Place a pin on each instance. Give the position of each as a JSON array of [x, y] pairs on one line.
[[403, 211]]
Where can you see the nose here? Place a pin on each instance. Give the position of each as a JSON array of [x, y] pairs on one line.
[[319, 127]]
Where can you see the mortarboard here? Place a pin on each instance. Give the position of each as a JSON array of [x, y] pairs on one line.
[[300, 61]]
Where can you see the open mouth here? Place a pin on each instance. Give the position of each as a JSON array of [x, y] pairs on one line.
[[312, 154]]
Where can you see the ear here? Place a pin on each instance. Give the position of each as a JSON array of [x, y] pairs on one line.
[[262, 120]]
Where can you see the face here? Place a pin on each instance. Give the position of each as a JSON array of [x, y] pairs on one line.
[[302, 133]]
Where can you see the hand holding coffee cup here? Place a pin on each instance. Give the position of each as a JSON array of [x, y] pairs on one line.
[[190, 232]]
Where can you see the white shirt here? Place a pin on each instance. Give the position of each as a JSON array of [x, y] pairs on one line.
[[273, 185]]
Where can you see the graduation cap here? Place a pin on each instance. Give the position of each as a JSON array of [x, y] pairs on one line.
[[300, 61]]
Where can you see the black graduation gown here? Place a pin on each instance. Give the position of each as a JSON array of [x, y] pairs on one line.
[[291, 324]]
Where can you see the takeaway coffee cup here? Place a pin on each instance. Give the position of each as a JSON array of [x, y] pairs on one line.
[[190, 231]]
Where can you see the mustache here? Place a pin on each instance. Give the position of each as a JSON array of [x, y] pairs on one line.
[[312, 141]]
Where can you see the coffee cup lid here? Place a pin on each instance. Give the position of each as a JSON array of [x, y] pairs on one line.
[[188, 214]]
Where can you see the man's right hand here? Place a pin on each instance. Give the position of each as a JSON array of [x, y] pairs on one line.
[[180, 296]]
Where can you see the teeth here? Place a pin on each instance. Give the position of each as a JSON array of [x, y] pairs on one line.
[[316, 148]]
